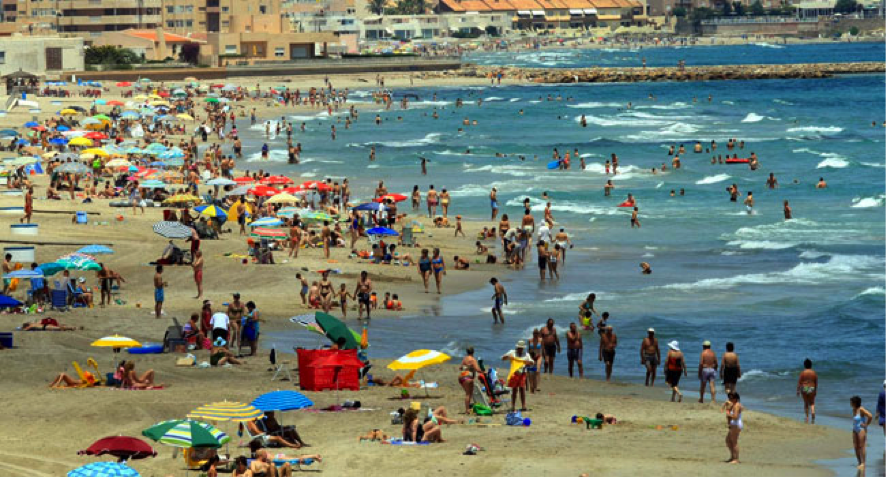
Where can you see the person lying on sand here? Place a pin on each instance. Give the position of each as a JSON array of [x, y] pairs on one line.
[[48, 324], [397, 381], [374, 435]]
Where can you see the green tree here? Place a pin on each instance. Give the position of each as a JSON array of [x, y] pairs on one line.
[[845, 6], [739, 8], [727, 8], [376, 6], [679, 12], [410, 7], [110, 55], [854, 31], [757, 8]]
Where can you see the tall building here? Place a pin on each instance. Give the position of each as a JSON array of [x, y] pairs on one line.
[[220, 13], [87, 18]]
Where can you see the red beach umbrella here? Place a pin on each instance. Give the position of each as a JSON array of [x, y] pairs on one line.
[[244, 180], [95, 135], [273, 180], [393, 197], [124, 84], [263, 191], [122, 447], [114, 102]]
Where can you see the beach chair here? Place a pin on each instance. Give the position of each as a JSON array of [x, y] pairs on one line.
[[479, 397], [406, 238], [89, 380], [197, 457], [58, 300], [174, 336], [74, 297], [279, 366]]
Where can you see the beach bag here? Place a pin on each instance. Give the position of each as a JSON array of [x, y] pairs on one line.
[[482, 410], [514, 419]]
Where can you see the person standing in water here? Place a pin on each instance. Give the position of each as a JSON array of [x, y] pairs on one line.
[[493, 202], [788, 213], [749, 203], [551, 344], [730, 369], [807, 387], [861, 419], [499, 298], [675, 364], [707, 371], [608, 343], [650, 356]]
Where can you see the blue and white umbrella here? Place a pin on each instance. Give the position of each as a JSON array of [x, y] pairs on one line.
[[372, 206], [95, 250], [281, 401], [266, 222], [104, 469], [25, 274]]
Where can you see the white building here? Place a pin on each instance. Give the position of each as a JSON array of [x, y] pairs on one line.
[[41, 54]]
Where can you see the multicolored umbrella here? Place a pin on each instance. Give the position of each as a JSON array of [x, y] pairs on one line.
[[269, 233], [122, 447], [212, 211], [186, 433], [104, 469], [266, 222], [226, 411], [419, 359]]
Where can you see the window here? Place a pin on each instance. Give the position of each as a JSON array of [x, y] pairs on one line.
[[2, 57], [279, 52], [225, 9], [170, 24], [226, 23], [230, 49], [170, 9], [262, 9], [189, 23]]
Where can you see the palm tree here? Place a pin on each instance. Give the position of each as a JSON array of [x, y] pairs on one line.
[[376, 6]]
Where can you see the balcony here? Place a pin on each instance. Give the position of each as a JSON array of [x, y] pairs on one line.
[[110, 20], [92, 4]]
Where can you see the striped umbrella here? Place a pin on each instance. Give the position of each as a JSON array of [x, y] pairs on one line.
[[186, 433], [104, 469], [226, 411], [212, 211], [266, 222], [282, 401], [269, 233], [172, 230], [419, 359]]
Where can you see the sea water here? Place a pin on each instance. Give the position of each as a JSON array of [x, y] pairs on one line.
[[782, 291]]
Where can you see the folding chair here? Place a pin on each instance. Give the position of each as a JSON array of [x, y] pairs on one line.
[[58, 300], [280, 367]]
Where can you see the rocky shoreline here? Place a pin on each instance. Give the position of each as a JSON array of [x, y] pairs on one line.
[[689, 73]]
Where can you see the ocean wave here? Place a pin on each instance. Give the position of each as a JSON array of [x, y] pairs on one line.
[[799, 230], [493, 98], [514, 100], [816, 129], [599, 168], [874, 164], [538, 205], [755, 118], [760, 374], [866, 202], [430, 103], [508, 169], [813, 254], [761, 244], [430, 138], [713, 179], [274, 155], [596, 104], [838, 268], [833, 163], [768, 45], [781, 101], [872, 291], [676, 105], [325, 161]]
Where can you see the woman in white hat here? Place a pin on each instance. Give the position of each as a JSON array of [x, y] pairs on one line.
[[673, 366], [517, 376]]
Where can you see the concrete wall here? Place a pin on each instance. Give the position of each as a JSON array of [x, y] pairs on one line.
[[28, 53]]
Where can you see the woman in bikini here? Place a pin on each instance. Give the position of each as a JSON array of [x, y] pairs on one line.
[[131, 379], [432, 202], [326, 292], [733, 418], [444, 201], [416, 198], [537, 357], [343, 299], [439, 268], [467, 371], [807, 386], [424, 267], [235, 313]]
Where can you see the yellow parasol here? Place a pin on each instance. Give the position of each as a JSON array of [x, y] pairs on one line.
[[116, 341], [419, 359], [80, 141], [183, 199], [95, 151], [186, 117], [69, 112], [283, 198]]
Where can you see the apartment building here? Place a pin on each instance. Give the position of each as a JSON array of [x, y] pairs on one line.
[[87, 18], [552, 14]]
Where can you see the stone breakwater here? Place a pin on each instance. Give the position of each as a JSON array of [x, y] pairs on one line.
[[689, 73]]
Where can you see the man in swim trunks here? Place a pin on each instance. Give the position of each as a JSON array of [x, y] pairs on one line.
[[574, 350], [159, 289], [730, 369], [707, 371], [551, 345], [608, 343], [363, 292], [499, 297], [650, 356], [542, 259], [493, 202]]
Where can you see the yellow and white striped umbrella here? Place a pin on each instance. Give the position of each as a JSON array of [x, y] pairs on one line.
[[283, 198], [419, 359], [116, 341], [226, 411]]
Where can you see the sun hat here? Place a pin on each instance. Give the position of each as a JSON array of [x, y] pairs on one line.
[[674, 345], [706, 343], [651, 330], [521, 344], [81, 279]]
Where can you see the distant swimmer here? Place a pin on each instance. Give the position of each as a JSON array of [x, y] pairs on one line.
[[584, 121], [630, 202], [772, 182], [675, 162], [645, 268], [749, 203], [821, 184], [733, 192], [788, 213], [607, 189]]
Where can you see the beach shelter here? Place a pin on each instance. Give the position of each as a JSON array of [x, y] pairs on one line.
[[212, 211], [122, 447], [9, 302], [186, 433], [104, 469], [338, 361], [172, 230], [226, 411]]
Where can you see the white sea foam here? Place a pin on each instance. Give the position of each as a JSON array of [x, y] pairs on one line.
[[768, 45], [813, 254], [799, 230], [430, 138], [874, 164], [833, 163], [760, 374], [595, 104], [816, 129], [274, 155], [713, 179], [538, 205], [598, 168], [492, 98], [755, 118], [781, 101], [867, 202], [760, 244], [514, 100], [872, 291], [508, 169]]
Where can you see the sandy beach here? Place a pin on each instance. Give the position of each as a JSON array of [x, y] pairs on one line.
[[47, 427]]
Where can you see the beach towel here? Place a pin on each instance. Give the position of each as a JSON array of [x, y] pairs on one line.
[[401, 442], [152, 388]]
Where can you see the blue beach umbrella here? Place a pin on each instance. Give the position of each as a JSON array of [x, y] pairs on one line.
[[9, 302], [104, 469], [212, 211], [281, 401], [372, 206], [95, 250], [8, 133], [58, 141], [62, 128], [24, 274], [266, 222], [31, 124], [382, 231], [100, 102]]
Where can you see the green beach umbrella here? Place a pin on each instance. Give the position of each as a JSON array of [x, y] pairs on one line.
[[186, 433], [102, 117], [335, 329], [211, 100]]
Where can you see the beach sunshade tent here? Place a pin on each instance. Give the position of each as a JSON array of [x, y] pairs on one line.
[[334, 329], [9, 302], [281, 401], [212, 211], [382, 231], [122, 447], [172, 230], [104, 469], [95, 250], [186, 433], [226, 411]]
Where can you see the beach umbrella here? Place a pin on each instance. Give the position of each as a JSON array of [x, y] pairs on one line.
[[186, 433], [95, 135], [8, 133], [102, 117], [392, 197], [283, 198], [130, 115], [269, 233], [40, 128], [89, 121], [152, 184], [96, 152], [172, 230], [212, 211], [104, 469], [211, 100], [80, 141], [73, 168], [118, 162], [122, 447], [31, 124], [382, 231], [23, 161], [242, 190], [175, 162], [277, 180], [419, 359], [281, 401], [183, 199], [24, 274], [62, 128], [371, 206], [114, 102], [145, 80], [244, 180], [9, 302], [179, 92], [68, 112], [266, 222], [263, 191], [96, 250], [58, 141], [124, 84], [226, 411], [334, 329], [220, 181], [174, 153], [68, 264], [115, 341], [186, 117], [318, 186]]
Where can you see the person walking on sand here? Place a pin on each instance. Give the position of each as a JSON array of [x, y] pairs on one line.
[[675, 364], [467, 372], [29, 206], [519, 360], [807, 386], [861, 419], [439, 268], [733, 410], [551, 345], [608, 343], [197, 265], [363, 292], [730, 369], [707, 371], [159, 291], [650, 356], [574, 350], [499, 298]]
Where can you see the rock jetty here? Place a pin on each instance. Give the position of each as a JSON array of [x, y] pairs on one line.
[[689, 73]]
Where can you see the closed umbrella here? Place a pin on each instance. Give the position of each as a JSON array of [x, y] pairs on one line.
[[226, 411], [122, 447], [172, 230], [187, 433], [104, 469]]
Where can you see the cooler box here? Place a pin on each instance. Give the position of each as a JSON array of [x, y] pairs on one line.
[[312, 378], [6, 340]]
